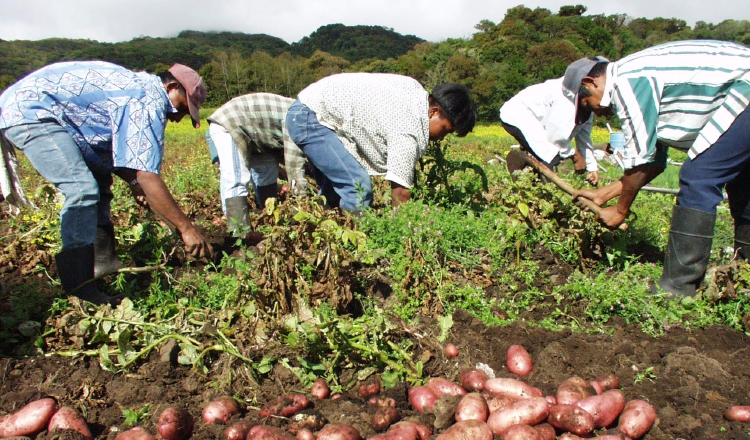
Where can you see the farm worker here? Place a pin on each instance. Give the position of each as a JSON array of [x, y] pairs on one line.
[[545, 117], [355, 125], [249, 136], [693, 96], [80, 122]]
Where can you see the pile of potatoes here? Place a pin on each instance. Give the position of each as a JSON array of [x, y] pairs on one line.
[[480, 407]]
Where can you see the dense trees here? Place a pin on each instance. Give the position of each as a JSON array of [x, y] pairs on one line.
[[526, 47]]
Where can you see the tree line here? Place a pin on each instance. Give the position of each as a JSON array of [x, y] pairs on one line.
[[528, 46]]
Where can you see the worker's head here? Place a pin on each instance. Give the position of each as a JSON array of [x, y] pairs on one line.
[[580, 85], [451, 110], [187, 92]]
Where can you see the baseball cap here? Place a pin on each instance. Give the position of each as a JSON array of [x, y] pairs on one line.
[[572, 82], [196, 90]]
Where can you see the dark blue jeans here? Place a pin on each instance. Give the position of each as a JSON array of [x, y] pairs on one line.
[[725, 164], [342, 180]]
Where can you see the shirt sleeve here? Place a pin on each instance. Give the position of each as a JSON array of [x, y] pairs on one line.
[[585, 146], [403, 154], [521, 117], [138, 137], [636, 103], [294, 161]]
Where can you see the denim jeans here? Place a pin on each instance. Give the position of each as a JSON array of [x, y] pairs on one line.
[[725, 164], [236, 172], [342, 180], [54, 154]]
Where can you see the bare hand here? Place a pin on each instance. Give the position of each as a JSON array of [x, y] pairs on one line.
[[139, 196], [611, 217], [592, 177], [579, 163], [196, 245]]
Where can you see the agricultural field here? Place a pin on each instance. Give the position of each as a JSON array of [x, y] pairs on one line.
[[477, 260]]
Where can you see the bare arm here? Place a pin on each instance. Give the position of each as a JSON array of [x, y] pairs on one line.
[[399, 194], [632, 181]]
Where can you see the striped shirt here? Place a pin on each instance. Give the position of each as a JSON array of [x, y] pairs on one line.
[[685, 94], [116, 117], [382, 120], [257, 124]]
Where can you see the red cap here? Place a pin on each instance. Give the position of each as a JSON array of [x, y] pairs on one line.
[[196, 90]]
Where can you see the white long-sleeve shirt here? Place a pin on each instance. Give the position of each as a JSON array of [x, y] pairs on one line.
[[546, 117]]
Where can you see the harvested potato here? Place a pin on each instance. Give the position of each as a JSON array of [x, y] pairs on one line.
[[546, 430], [369, 389], [422, 398], [305, 434], [518, 360], [339, 431], [307, 419], [451, 350], [285, 406], [608, 381], [738, 414], [495, 402], [320, 389], [472, 407], [238, 430], [384, 417], [175, 424], [468, 429], [263, 432], [522, 432], [572, 390], [220, 410], [604, 408], [28, 420], [637, 418], [136, 433], [443, 387], [531, 411], [68, 419], [571, 418], [505, 386], [473, 379]]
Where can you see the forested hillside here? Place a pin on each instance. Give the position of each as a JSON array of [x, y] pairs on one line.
[[526, 47]]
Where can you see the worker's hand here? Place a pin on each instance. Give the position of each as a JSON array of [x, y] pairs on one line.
[[139, 195], [611, 217], [592, 177], [579, 163], [195, 244]]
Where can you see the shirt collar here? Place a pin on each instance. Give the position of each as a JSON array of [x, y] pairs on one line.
[[608, 86]]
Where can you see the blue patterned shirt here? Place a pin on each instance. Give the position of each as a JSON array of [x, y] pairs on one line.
[[116, 116]]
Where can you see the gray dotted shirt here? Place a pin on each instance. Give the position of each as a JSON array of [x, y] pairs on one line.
[[381, 119]]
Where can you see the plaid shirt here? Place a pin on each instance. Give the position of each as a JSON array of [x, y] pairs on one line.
[[257, 124]]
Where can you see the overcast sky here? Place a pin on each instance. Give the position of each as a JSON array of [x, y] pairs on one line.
[[291, 20]]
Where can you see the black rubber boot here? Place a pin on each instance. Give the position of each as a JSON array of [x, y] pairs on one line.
[[688, 250], [742, 242], [75, 267], [238, 216], [264, 193], [105, 257]]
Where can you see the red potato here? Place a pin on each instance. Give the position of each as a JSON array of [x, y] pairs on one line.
[[738, 414], [384, 417], [382, 401], [522, 432], [28, 420], [68, 419], [473, 379], [451, 350], [570, 418], [531, 411], [469, 429], [472, 407], [552, 400], [518, 360], [400, 431], [497, 402], [136, 433], [422, 398], [339, 431], [423, 432], [320, 389], [516, 389], [637, 418], [305, 434], [369, 389], [263, 432], [220, 410], [238, 430], [311, 420], [609, 381], [572, 390], [604, 408], [285, 406], [443, 387], [597, 386], [546, 431], [175, 424], [569, 436]]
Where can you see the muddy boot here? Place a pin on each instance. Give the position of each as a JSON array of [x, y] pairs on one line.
[[263, 193], [688, 250], [742, 242], [238, 216], [75, 267], [105, 258]]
